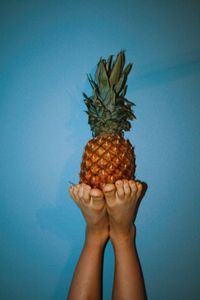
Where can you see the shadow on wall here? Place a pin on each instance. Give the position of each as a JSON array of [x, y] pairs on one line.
[[178, 67], [61, 217], [64, 281], [55, 218], [62, 287]]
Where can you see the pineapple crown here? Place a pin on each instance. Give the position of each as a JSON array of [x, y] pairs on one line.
[[108, 110]]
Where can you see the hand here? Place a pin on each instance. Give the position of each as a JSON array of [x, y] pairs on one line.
[[93, 207], [122, 200]]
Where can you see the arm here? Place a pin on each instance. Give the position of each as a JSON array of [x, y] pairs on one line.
[[86, 282], [128, 280], [121, 200]]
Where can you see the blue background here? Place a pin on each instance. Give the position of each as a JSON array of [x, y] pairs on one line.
[[47, 48]]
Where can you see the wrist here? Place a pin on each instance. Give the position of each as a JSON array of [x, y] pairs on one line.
[[96, 238], [123, 238]]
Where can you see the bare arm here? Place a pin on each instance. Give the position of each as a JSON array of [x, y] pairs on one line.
[[128, 280], [86, 282], [121, 200]]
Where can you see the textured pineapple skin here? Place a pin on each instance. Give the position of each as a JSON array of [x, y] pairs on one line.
[[106, 159]]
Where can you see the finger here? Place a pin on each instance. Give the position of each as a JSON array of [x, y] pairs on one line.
[[109, 192], [70, 190], [74, 193], [97, 197], [80, 191], [120, 189], [127, 189], [86, 193], [139, 189], [133, 187]]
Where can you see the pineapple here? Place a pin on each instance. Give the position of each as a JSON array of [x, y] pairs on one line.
[[108, 157]]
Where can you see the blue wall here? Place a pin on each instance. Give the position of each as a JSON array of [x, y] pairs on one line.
[[47, 48]]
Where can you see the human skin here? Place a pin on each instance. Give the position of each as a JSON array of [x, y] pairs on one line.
[[108, 214], [86, 282], [122, 201]]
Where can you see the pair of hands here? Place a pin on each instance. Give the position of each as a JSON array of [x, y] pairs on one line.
[[108, 213]]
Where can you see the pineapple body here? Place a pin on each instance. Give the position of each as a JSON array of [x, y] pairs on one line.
[[106, 159]]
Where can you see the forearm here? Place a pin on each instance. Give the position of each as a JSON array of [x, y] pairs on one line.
[[128, 280], [86, 283]]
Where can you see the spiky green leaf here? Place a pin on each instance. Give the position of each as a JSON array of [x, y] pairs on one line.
[[117, 68], [108, 109], [109, 64], [101, 75]]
